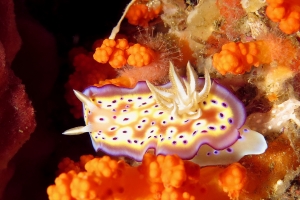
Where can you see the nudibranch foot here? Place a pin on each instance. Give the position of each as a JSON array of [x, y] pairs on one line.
[[249, 143], [128, 122]]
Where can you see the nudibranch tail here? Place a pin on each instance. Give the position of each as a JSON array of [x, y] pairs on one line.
[[249, 143]]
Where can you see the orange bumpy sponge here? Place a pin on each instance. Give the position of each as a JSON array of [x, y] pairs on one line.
[[118, 53], [113, 52], [287, 12], [233, 179], [141, 14], [139, 55], [157, 178], [238, 58]]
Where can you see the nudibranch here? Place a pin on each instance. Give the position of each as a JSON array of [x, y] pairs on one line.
[[175, 118]]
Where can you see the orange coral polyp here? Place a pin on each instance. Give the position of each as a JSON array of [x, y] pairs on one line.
[[291, 23], [286, 12], [113, 52], [237, 58], [157, 178], [141, 14], [139, 55], [233, 179], [118, 58]]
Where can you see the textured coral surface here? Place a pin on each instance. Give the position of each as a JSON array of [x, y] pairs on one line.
[[16, 112]]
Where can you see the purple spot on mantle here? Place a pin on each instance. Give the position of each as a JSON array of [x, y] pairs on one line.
[[194, 133], [142, 143], [216, 152], [230, 120], [204, 102], [246, 130], [114, 101], [129, 141], [185, 142], [139, 126], [160, 113], [208, 154], [223, 127], [221, 115], [112, 128], [114, 117], [224, 105], [174, 142], [229, 150], [115, 138], [211, 128], [124, 131], [181, 136], [204, 131], [125, 119], [101, 119], [198, 124], [139, 98], [99, 101], [214, 101], [135, 141]]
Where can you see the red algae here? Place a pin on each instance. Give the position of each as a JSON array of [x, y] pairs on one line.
[[232, 11], [86, 73]]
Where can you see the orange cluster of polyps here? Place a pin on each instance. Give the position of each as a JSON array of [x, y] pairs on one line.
[[141, 14], [157, 178], [287, 12], [237, 58], [118, 53]]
